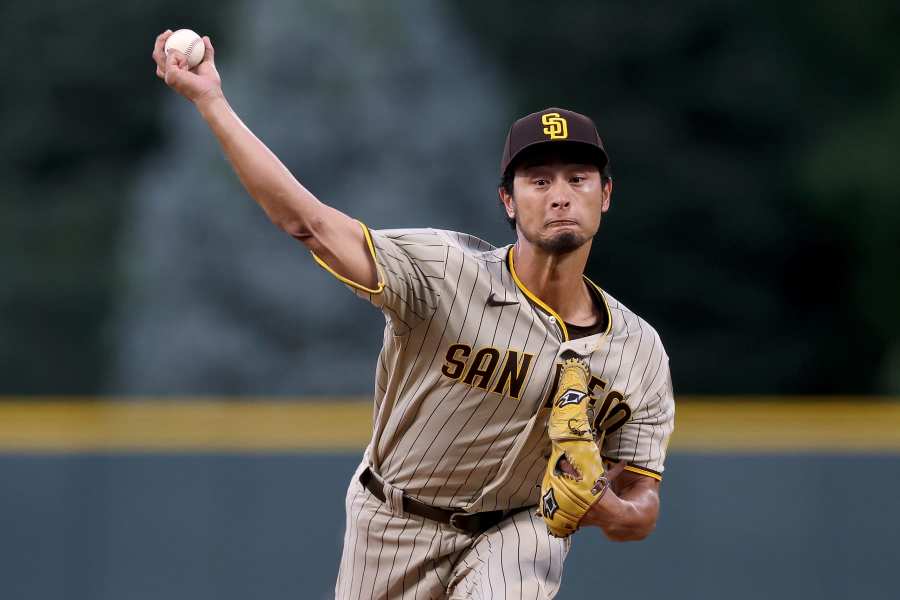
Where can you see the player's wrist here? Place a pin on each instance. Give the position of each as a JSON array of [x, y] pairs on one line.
[[210, 102], [607, 511]]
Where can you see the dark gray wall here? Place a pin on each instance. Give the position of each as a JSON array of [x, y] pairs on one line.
[[269, 526]]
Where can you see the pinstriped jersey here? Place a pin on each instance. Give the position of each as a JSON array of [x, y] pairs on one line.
[[470, 362]]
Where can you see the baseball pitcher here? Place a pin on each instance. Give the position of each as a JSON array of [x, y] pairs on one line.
[[516, 401]]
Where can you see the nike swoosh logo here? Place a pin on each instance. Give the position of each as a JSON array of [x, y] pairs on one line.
[[493, 300]]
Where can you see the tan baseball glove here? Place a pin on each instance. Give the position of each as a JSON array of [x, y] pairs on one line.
[[574, 479]]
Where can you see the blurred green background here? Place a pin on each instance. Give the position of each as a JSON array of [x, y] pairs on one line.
[[754, 149]]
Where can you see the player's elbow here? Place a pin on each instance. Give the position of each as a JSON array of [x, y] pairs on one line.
[[630, 533], [302, 230]]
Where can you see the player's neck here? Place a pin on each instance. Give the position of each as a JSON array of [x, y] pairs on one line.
[[557, 279]]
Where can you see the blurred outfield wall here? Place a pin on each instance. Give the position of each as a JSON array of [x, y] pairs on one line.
[[203, 499]]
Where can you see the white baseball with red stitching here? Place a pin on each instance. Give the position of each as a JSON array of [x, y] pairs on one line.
[[188, 43]]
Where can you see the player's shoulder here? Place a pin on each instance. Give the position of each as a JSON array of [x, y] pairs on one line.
[[414, 239], [418, 235], [626, 322]]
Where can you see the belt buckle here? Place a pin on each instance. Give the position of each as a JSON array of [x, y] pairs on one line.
[[455, 525]]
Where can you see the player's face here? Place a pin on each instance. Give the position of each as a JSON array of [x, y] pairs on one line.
[[557, 204]]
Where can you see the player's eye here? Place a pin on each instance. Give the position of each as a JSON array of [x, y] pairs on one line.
[[541, 182], [577, 179]]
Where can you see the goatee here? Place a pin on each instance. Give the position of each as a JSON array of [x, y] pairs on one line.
[[563, 243]]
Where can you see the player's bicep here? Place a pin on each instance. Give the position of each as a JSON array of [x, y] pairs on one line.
[[343, 247], [629, 484]]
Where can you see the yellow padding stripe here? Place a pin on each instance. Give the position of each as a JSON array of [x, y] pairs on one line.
[[345, 424], [185, 425], [350, 282], [767, 425]]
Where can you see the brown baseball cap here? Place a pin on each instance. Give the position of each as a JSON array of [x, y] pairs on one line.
[[552, 126]]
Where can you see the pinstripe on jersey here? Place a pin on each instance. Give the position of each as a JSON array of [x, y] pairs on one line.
[[469, 362], [391, 557]]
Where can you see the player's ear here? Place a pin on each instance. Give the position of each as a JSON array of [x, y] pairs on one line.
[[508, 202], [606, 184]]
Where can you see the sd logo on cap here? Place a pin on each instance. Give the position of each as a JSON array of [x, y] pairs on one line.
[[555, 126]]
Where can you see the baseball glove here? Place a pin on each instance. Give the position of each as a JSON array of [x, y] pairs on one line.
[[574, 479]]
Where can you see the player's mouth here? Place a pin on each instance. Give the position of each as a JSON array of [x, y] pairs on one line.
[[561, 223]]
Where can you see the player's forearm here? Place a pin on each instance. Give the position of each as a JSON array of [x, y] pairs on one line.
[[627, 517], [333, 236], [287, 203]]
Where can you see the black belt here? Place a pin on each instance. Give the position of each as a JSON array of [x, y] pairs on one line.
[[471, 523]]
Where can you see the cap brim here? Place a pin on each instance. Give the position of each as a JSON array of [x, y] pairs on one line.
[[602, 159]]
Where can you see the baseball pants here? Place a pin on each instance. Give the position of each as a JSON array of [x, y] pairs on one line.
[[388, 556]]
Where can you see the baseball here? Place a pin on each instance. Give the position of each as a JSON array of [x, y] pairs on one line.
[[188, 43]]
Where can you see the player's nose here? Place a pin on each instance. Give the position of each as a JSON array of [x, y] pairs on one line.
[[560, 200]]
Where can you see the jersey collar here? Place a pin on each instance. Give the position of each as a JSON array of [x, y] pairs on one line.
[[510, 262], [528, 293]]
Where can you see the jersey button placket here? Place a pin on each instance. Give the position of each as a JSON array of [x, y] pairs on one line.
[[555, 324]]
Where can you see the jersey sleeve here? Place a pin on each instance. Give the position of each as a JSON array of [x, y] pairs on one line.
[[643, 439], [411, 268]]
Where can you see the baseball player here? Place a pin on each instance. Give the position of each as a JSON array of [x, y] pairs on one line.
[[504, 376]]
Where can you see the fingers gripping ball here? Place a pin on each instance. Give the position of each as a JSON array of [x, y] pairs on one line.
[[569, 490], [188, 43]]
